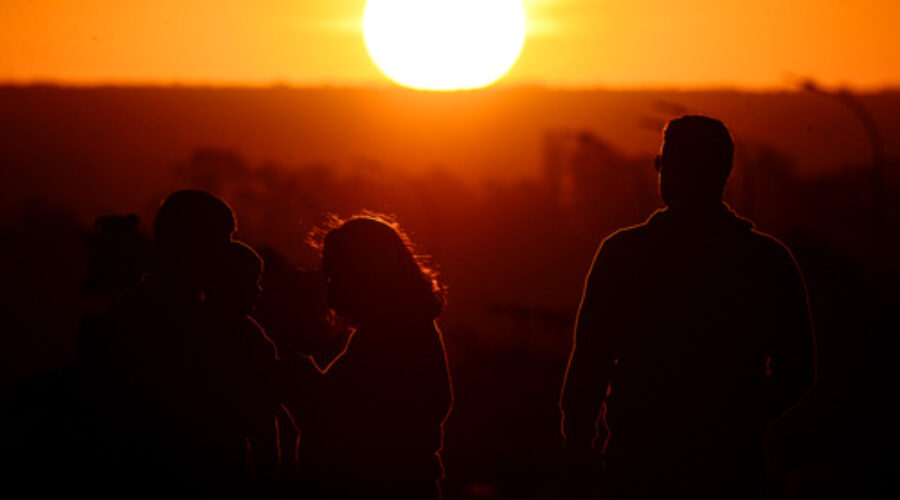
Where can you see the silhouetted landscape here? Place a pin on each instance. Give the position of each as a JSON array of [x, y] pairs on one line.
[[509, 192]]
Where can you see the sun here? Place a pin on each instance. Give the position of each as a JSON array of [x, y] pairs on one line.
[[444, 44]]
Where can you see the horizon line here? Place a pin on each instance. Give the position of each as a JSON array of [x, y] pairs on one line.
[[273, 85]]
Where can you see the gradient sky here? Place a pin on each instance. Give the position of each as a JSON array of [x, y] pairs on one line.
[[583, 43]]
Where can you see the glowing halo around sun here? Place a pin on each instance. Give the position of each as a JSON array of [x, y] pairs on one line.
[[444, 44]]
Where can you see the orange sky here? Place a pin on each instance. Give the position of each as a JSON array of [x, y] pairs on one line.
[[609, 43]]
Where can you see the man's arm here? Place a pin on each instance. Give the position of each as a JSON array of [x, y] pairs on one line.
[[263, 446], [791, 367], [590, 364]]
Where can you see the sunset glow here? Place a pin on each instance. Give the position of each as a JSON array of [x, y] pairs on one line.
[[762, 44], [444, 44]]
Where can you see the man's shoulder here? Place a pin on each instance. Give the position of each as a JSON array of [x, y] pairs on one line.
[[771, 248], [629, 237], [658, 229], [751, 245]]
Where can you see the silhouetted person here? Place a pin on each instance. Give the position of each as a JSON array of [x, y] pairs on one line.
[[141, 364], [692, 335], [234, 393], [371, 423]]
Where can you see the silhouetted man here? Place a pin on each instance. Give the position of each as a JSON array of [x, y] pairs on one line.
[[142, 363], [692, 335]]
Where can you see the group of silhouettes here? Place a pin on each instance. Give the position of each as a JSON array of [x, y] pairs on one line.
[[693, 334], [191, 395]]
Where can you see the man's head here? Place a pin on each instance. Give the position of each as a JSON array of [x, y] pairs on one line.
[[191, 227], [234, 286], [695, 162]]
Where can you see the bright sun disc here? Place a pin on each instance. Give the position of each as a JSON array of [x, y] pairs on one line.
[[444, 44]]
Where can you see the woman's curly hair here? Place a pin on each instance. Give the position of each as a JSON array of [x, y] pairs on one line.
[[362, 246]]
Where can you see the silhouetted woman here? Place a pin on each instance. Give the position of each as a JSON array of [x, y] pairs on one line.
[[371, 422]]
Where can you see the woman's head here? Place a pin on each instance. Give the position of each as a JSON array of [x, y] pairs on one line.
[[373, 274]]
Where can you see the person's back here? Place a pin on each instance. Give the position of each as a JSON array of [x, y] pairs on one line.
[[235, 385], [372, 423], [138, 359], [133, 364], [699, 326]]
